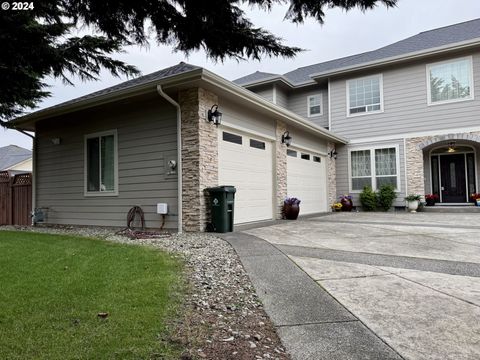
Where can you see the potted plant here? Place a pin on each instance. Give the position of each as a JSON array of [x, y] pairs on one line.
[[337, 206], [431, 199], [291, 208], [475, 197], [347, 203], [412, 202]]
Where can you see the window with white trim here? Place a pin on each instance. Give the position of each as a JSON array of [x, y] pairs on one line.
[[365, 95], [101, 168], [450, 81], [374, 168], [315, 105]]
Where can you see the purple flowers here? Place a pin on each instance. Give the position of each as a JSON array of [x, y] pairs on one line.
[[291, 201], [345, 197]]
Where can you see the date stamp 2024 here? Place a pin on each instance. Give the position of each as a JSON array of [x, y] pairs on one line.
[[17, 6]]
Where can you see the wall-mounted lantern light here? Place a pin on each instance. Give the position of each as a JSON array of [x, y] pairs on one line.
[[286, 138], [451, 147], [332, 154], [214, 115]]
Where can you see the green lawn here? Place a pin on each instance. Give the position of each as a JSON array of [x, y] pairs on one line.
[[52, 288]]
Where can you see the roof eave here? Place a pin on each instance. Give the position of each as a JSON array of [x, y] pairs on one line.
[[399, 58], [287, 115], [25, 122]]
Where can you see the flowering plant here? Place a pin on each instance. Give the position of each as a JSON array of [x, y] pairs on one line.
[[336, 206], [432, 197], [291, 201], [346, 197], [474, 196]]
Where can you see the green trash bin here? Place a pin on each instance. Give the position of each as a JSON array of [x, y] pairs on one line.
[[222, 201]]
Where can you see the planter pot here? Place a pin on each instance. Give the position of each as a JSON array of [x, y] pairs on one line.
[[412, 205], [347, 205], [478, 202], [430, 202], [291, 211]]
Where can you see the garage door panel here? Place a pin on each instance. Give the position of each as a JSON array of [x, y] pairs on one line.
[[306, 180], [250, 171]]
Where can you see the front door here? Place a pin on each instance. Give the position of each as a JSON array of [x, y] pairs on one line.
[[452, 169]]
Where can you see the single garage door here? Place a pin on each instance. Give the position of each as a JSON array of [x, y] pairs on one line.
[[245, 161], [306, 180]]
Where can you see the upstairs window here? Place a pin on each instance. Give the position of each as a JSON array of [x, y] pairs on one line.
[[364, 95], [450, 81], [314, 105], [101, 165]]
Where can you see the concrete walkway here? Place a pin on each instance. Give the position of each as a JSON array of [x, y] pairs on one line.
[[370, 286]]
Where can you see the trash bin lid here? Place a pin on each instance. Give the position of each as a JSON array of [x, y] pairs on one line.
[[222, 189]]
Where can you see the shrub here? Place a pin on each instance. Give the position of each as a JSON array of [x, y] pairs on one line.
[[386, 196], [368, 198]]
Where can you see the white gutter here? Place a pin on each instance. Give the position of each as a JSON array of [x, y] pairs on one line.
[[179, 156]]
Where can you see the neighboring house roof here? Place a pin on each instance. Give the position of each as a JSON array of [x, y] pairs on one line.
[[180, 74], [12, 155], [427, 40]]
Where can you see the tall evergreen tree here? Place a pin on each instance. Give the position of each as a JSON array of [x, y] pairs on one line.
[[40, 42]]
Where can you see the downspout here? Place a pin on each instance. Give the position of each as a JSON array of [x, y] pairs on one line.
[[179, 154]]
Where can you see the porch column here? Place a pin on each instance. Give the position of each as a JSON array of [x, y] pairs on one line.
[[280, 168], [332, 176], [415, 170], [199, 156]]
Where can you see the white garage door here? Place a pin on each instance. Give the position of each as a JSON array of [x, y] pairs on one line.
[[245, 162], [306, 180]]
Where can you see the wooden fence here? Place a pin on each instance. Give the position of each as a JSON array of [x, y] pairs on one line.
[[15, 199]]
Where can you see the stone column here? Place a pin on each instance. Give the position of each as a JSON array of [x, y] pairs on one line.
[[280, 168], [415, 170], [199, 156], [332, 176]]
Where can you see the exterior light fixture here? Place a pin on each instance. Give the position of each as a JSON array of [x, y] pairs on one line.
[[214, 115], [451, 147], [56, 141], [332, 154], [286, 138]]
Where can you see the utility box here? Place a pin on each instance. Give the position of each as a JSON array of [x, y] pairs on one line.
[[162, 208], [222, 201]]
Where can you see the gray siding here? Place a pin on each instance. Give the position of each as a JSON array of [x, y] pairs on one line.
[[282, 97], [343, 171], [297, 103], [405, 105], [146, 140], [265, 91]]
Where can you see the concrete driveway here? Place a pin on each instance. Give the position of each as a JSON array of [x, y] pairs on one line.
[[411, 279]]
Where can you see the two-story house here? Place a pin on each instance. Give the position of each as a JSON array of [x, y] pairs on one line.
[[410, 110], [405, 114]]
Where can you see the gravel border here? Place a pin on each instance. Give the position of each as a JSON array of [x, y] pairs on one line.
[[222, 316]]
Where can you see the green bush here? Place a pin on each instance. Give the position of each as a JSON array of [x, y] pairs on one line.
[[368, 198], [386, 195]]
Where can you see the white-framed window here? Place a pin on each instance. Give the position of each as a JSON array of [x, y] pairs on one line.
[[365, 95], [101, 164], [314, 106], [374, 167], [450, 81]]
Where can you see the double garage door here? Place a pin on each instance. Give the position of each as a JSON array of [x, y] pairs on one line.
[[246, 162]]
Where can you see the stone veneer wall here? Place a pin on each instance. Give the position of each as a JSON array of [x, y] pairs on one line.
[[280, 167], [414, 156], [199, 156], [331, 176]]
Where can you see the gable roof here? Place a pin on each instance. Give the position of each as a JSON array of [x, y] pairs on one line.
[[424, 41], [11, 155]]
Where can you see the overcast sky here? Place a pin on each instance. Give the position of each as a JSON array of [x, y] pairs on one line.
[[342, 34]]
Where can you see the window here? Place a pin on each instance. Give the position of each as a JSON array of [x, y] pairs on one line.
[[317, 159], [236, 139], [101, 164], [305, 156], [450, 81], [257, 144], [374, 168], [314, 105], [291, 153], [365, 95]]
